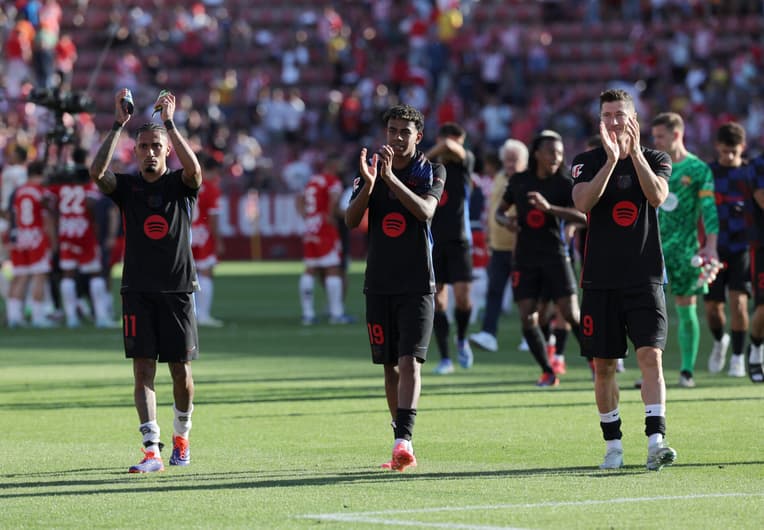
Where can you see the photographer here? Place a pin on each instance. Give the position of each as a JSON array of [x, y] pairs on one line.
[[159, 277]]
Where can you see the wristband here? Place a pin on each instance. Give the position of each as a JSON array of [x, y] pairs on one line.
[[116, 126], [169, 125]]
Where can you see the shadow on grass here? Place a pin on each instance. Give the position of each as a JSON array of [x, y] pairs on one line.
[[373, 392], [172, 482]]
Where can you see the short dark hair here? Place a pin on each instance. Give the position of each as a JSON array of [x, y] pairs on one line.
[[491, 158], [151, 126], [451, 129], [731, 134], [406, 113], [670, 120], [36, 168], [540, 138], [80, 155], [615, 94]]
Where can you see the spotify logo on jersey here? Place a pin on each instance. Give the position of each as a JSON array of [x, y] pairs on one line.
[[393, 224], [155, 227], [535, 218], [624, 213]]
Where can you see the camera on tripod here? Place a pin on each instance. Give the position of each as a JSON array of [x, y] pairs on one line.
[[60, 102], [60, 135]]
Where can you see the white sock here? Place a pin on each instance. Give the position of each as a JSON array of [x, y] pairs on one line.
[[655, 410], [406, 443], [69, 300], [182, 423], [204, 298], [107, 304], [610, 417], [479, 291], [38, 312], [97, 287], [15, 315], [306, 295], [756, 354], [613, 444], [334, 296], [150, 432]]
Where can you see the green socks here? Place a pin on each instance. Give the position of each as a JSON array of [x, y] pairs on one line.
[[689, 336]]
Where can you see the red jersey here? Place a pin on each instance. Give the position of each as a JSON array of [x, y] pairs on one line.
[[31, 244], [321, 236], [202, 237], [480, 256], [78, 244]]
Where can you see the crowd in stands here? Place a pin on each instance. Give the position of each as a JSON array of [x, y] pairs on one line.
[[268, 90]]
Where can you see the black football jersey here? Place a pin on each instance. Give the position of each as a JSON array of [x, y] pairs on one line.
[[623, 245], [157, 222], [451, 219], [540, 238], [399, 258]]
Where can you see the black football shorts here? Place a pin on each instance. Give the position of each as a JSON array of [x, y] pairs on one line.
[[610, 316], [160, 326], [452, 261], [735, 276], [757, 274], [547, 281], [399, 325]]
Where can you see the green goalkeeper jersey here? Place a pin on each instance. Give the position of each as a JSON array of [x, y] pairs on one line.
[[691, 193]]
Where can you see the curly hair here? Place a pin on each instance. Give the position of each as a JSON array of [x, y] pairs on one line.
[[406, 113]]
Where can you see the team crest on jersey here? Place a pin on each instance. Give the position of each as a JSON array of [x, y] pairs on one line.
[[623, 181], [686, 180], [155, 201], [576, 170]]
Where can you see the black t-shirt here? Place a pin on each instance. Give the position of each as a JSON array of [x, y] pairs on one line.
[[157, 220], [540, 238], [399, 259], [451, 221], [756, 231], [623, 245]]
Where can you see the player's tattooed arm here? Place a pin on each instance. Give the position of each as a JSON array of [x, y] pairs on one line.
[[105, 179]]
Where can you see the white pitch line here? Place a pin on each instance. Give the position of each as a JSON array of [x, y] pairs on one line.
[[368, 517], [351, 518]]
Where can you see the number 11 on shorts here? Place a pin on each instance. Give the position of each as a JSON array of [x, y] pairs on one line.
[[128, 325]]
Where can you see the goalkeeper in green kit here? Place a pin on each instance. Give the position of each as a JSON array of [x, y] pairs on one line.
[[691, 194]]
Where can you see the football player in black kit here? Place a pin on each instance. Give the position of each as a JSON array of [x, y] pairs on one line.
[[401, 189], [619, 186], [542, 267], [452, 249], [159, 277]]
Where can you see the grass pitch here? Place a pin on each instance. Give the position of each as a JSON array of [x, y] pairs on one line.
[[291, 425]]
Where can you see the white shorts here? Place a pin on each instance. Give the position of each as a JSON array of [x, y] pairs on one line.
[[91, 267], [40, 267], [332, 259], [206, 263]]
